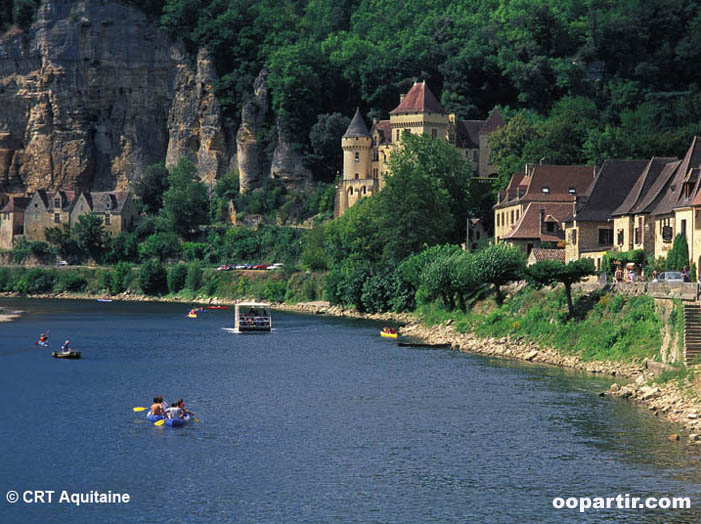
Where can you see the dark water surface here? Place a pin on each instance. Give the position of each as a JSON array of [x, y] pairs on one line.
[[321, 421]]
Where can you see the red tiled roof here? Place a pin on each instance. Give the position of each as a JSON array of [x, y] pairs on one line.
[[528, 225], [494, 122], [419, 99], [557, 179], [539, 254], [384, 129]]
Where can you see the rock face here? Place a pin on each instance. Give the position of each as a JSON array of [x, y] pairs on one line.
[[249, 151], [94, 92], [253, 166]]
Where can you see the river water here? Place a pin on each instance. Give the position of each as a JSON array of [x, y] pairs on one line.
[[320, 421]]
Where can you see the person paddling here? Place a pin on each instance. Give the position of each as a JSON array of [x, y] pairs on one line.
[[66, 347], [181, 405], [174, 412], [157, 407], [43, 339]]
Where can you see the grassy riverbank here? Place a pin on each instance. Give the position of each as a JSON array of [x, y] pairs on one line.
[[606, 327]]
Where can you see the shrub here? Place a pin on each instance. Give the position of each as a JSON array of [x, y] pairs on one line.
[[177, 276], [69, 280], [105, 280], [194, 251], [163, 246], [34, 281], [194, 276], [121, 277], [152, 278], [275, 290]]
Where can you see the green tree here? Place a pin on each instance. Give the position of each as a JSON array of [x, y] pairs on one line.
[[153, 279], [151, 187], [164, 246], [500, 264], [194, 276], [121, 277], [177, 277], [324, 137], [185, 202], [678, 256], [551, 272], [67, 247], [89, 233]]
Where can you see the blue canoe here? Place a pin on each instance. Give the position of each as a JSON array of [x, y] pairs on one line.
[[169, 422], [175, 422]]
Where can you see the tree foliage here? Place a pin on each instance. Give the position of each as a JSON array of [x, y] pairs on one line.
[[550, 272], [678, 256]]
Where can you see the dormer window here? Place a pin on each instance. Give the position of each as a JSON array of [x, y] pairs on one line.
[[57, 202], [546, 189], [572, 191]]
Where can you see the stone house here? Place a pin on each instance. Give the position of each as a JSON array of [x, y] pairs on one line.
[[589, 230], [62, 208], [532, 208], [538, 254], [366, 153], [12, 221]]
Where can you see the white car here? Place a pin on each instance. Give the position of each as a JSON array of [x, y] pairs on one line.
[[670, 277], [279, 265], [61, 263]]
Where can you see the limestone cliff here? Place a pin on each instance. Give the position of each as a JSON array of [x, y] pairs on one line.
[[94, 92]]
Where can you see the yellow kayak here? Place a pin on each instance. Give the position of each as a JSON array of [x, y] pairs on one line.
[[388, 334]]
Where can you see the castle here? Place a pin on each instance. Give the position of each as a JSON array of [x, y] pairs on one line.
[[365, 153]]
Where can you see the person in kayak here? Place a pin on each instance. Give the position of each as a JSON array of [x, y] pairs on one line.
[[66, 347], [174, 412], [181, 405], [157, 407], [43, 339]]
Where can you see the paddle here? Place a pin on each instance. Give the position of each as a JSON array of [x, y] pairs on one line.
[[137, 409], [159, 422]]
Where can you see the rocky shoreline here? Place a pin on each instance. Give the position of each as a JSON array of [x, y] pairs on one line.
[[675, 404]]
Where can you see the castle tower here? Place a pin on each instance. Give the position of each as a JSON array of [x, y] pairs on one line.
[[357, 165], [419, 112]]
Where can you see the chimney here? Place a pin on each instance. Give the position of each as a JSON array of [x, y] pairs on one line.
[[401, 97]]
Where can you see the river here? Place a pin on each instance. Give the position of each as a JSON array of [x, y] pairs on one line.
[[320, 421]]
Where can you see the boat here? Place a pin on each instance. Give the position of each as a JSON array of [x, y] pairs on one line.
[[104, 300], [252, 317], [217, 307], [69, 355], [389, 333], [191, 314], [176, 422], [423, 345], [43, 344], [153, 418]]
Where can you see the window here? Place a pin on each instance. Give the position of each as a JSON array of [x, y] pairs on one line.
[[357, 157], [434, 133], [398, 131], [350, 191], [7, 216], [498, 216], [619, 237], [108, 220], [667, 233], [684, 227], [573, 237], [57, 218], [512, 216], [572, 191], [57, 202], [474, 155], [357, 176], [550, 227], [364, 190], [517, 214], [605, 237], [546, 189]]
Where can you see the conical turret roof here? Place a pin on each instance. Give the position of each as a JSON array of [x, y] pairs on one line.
[[357, 127]]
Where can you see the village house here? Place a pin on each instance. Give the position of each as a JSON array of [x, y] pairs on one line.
[[366, 153], [12, 221], [633, 223], [529, 213], [589, 229], [62, 208]]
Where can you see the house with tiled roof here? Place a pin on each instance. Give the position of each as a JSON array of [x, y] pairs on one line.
[[366, 153], [589, 229], [538, 254], [531, 210], [12, 221], [678, 210], [633, 224], [59, 208]]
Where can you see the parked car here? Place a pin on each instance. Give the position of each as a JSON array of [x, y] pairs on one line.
[[241, 266], [669, 277], [261, 266], [61, 263], [278, 265], [224, 268]]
